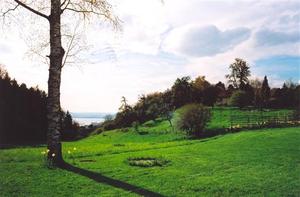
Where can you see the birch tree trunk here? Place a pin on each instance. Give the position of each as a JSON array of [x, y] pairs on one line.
[[53, 102]]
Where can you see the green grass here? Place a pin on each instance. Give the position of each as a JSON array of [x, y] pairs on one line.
[[258, 162]]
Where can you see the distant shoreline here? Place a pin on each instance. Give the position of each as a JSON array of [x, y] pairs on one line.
[[87, 118]]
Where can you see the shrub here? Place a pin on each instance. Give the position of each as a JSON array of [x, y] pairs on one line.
[[239, 99], [136, 126], [108, 125], [194, 118]]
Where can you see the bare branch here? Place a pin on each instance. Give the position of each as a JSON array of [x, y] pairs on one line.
[[63, 3], [9, 10], [85, 11], [68, 49], [31, 9], [67, 4]]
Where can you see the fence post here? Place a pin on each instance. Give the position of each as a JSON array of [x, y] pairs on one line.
[[285, 118]]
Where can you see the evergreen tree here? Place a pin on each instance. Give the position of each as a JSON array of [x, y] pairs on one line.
[[265, 92]]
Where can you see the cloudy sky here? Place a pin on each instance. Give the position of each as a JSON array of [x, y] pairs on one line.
[[162, 41]]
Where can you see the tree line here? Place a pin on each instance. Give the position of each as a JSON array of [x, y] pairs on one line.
[[23, 114], [240, 92]]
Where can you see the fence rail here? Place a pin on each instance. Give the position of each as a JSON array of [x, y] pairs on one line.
[[261, 119]]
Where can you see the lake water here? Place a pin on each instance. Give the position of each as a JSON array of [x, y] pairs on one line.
[[87, 118]]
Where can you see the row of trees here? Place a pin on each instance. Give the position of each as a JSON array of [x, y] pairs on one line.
[[258, 93], [23, 114], [240, 92]]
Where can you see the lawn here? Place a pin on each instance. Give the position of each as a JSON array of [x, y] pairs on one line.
[[257, 162]]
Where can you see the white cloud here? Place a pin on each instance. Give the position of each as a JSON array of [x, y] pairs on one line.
[[269, 38], [204, 41]]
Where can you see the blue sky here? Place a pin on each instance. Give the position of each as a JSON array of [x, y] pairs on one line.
[[281, 67], [158, 43]]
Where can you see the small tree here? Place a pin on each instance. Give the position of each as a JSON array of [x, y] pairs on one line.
[[166, 112], [136, 126], [194, 118], [126, 115], [239, 99]]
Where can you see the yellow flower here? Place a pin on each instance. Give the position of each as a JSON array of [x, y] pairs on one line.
[[43, 152], [69, 152], [53, 154], [74, 148]]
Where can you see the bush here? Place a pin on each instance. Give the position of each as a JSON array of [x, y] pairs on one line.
[[136, 126], [194, 118], [239, 99], [108, 125]]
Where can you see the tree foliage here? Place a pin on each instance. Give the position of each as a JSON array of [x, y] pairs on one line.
[[23, 118], [239, 99], [181, 91], [239, 73]]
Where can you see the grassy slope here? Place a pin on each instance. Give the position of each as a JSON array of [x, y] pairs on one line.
[[256, 162], [246, 163]]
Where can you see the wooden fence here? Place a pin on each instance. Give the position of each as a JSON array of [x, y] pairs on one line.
[[257, 119]]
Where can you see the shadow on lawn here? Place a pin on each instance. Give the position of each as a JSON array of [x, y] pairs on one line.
[[109, 181]]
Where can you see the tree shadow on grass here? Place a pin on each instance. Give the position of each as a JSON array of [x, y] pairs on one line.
[[109, 181]]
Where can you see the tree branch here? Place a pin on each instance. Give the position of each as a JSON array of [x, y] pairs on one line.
[[11, 9], [31, 9], [67, 4], [63, 3], [85, 11], [68, 50]]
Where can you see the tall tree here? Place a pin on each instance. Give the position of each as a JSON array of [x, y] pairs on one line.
[[265, 92], [181, 91], [52, 11], [239, 73]]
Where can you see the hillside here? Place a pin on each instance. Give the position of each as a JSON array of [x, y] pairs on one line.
[[254, 162]]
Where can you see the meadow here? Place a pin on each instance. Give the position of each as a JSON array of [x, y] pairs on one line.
[[248, 163]]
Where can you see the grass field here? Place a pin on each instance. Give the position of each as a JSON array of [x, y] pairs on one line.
[[258, 162]]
